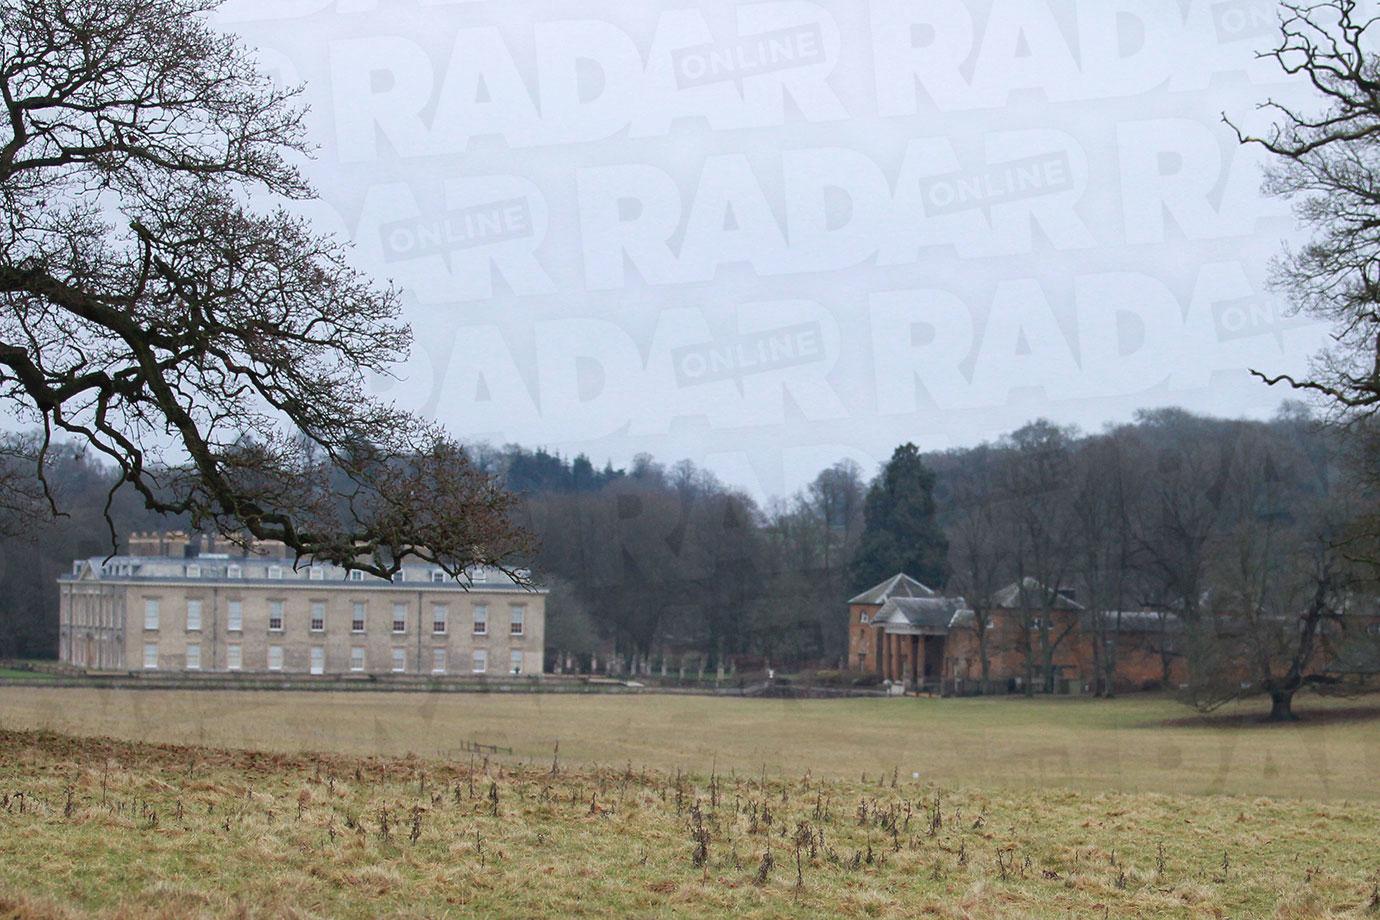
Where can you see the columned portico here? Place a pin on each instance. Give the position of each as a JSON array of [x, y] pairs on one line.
[[911, 657], [901, 637]]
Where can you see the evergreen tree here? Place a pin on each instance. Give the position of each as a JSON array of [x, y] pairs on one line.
[[901, 532]]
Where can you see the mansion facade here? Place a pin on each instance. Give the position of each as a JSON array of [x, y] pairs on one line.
[[914, 637], [167, 606]]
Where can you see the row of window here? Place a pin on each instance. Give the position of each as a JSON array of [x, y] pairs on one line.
[[234, 570], [316, 622], [314, 574], [234, 659]]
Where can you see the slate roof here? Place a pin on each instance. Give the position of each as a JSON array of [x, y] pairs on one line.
[[899, 585], [1147, 621], [1010, 596], [935, 614]]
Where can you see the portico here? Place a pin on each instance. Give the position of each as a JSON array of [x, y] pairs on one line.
[[911, 656]]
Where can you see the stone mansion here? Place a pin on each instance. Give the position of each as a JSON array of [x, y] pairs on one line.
[[170, 606]]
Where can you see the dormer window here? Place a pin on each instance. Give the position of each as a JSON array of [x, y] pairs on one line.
[[398, 575], [194, 571], [437, 575], [356, 575], [479, 574], [234, 571], [315, 573], [275, 571]]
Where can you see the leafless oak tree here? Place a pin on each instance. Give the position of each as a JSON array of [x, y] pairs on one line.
[[161, 305], [1328, 164]]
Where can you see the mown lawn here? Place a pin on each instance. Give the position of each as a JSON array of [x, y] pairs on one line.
[[90, 826], [22, 674]]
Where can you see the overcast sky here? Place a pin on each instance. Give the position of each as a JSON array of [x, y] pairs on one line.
[[768, 235]]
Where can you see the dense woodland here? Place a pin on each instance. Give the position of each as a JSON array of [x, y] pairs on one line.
[[1206, 521], [1173, 512]]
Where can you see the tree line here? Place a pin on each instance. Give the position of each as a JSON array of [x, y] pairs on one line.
[[1203, 523], [1194, 520]]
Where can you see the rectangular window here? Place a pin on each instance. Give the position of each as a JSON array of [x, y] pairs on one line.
[[193, 656], [438, 575], [481, 621], [438, 661], [517, 620], [150, 613], [481, 661], [515, 662], [357, 617], [234, 571], [233, 658], [275, 571], [275, 657], [316, 574], [318, 616], [151, 655], [399, 659], [318, 660], [193, 571], [399, 576], [356, 575], [193, 615], [399, 618], [439, 617], [234, 616], [275, 616], [480, 574], [357, 658]]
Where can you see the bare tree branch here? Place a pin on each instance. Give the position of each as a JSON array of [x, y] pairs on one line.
[[216, 355]]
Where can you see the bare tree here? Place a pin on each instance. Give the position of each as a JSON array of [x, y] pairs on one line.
[[1038, 473], [979, 531], [1178, 520], [1279, 585], [213, 352], [1327, 164], [1101, 501]]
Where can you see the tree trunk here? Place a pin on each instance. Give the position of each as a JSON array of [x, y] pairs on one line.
[[1282, 706], [984, 659], [1029, 672], [1098, 671]]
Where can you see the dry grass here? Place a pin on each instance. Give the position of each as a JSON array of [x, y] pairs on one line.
[[1134, 744], [91, 826]]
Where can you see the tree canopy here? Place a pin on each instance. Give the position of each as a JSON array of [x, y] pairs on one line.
[[212, 351]]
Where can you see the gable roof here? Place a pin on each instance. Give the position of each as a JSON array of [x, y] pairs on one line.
[[1010, 596], [1138, 621], [931, 614], [898, 585]]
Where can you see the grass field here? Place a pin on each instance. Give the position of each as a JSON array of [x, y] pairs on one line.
[[1136, 743], [680, 806], [21, 674]]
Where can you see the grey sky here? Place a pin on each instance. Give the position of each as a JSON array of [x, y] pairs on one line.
[[764, 236]]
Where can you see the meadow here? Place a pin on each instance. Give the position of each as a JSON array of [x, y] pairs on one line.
[[141, 803], [1136, 743]]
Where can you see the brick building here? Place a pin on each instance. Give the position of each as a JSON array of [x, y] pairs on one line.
[[173, 604], [913, 636]]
